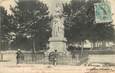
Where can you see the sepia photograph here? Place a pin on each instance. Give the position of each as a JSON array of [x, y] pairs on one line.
[[57, 36]]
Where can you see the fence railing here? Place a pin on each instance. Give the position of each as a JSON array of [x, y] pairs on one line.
[[41, 58]]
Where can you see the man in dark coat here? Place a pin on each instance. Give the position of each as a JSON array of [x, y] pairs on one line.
[[19, 56]]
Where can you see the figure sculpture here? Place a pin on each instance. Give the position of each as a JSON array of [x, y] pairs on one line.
[[58, 27]]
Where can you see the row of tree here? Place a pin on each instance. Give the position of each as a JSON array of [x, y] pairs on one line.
[[80, 24], [29, 26]]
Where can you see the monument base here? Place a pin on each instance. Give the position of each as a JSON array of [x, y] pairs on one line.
[[58, 44]]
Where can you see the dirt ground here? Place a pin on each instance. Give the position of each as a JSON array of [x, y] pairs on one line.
[[49, 69]]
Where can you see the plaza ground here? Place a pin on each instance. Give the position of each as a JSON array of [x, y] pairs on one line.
[[10, 66], [37, 68]]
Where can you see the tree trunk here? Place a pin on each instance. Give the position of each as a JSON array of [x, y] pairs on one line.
[[103, 44], [82, 46], [97, 44], [33, 51], [93, 45], [9, 45], [34, 46]]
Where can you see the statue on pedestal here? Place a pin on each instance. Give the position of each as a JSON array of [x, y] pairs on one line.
[[57, 41]]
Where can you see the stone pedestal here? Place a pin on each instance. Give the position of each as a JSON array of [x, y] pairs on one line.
[[59, 44]]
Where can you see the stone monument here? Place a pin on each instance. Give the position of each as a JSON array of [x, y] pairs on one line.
[[57, 41]]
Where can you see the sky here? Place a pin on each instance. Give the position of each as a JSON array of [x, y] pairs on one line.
[[51, 4]]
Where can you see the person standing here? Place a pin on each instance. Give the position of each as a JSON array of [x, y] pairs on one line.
[[19, 56], [53, 57]]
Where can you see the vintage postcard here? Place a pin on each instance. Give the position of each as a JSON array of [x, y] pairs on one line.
[[57, 36]]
